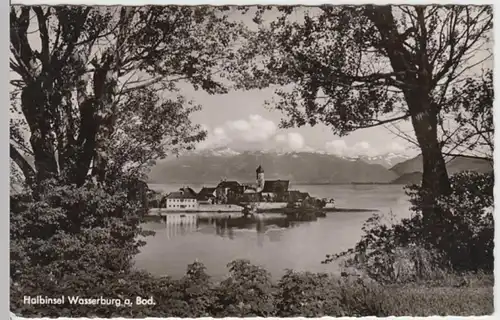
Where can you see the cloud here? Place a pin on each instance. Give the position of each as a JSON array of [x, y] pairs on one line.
[[254, 129], [340, 147], [294, 141], [280, 138], [396, 147], [363, 148], [215, 138], [239, 125]]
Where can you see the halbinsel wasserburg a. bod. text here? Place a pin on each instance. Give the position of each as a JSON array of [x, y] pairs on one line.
[[40, 300]]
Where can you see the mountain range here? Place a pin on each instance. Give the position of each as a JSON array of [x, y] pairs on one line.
[[410, 171], [299, 167], [211, 166], [387, 160]]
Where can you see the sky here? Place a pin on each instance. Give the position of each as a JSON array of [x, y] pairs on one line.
[[240, 121]]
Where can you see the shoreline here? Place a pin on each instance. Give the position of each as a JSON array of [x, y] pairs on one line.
[[284, 211], [295, 184]]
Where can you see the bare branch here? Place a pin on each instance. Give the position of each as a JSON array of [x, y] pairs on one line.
[[44, 34], [469, 42], [455, 155], [382, 122], [401, 134]]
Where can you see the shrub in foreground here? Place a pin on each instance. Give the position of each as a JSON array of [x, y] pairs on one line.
[[247, 291], [457, 238], [73, 228]]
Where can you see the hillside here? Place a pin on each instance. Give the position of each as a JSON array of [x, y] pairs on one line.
[[306, 168], [408, 178], [410, 171], [408, 166]]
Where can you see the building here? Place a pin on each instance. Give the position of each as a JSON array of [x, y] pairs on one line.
[[250, 195], [260, 178], [275, 190], [229, 185], [295, 196], [182, 200], [228, 191], [305, 195], [206, 195], [189, 190]]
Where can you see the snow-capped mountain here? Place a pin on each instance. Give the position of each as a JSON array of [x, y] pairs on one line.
[[208, 166], [221, 152], [300, 167], [387, 160]]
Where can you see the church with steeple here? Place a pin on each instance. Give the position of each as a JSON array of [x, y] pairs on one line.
[[260, 178], [270, 189]]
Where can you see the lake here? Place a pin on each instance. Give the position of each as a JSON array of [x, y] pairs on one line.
[[274, 246]]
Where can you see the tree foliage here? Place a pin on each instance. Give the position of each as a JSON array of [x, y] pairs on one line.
[[472, 111], [96, 88], [355, 67], [95, 99], [295, 294], [247, 291]]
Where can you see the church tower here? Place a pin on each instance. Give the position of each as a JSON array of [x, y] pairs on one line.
[[260, 178]]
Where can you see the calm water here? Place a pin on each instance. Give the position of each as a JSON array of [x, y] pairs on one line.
[[276, 245]]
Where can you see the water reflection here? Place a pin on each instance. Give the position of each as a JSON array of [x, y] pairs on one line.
[[175, 230], [231, 228], [283, 244], [270, 227]]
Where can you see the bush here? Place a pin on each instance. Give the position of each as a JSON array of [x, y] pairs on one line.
[[73, 241], [73, 228], [385, 255], [247, 292], [466, 233], [308, 294], [458, 237]]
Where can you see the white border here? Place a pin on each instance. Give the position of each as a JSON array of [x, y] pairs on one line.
[[5, 158], [258, 318], [243, 2]]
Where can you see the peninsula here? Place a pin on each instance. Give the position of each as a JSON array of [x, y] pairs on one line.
[[233, 196]]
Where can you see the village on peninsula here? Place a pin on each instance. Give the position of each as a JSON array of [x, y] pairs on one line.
[[234, 199]]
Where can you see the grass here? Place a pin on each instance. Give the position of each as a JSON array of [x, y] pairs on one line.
[[426, 301], [454, 295], [348, 296], [445, 295]]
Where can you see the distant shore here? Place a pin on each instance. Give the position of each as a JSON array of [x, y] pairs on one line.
[[321, 209], [295, 183]]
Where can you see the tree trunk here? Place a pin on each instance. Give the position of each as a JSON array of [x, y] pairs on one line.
[[34, 107], [435, 180]]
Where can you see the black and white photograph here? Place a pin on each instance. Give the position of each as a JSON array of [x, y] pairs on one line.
[[251, 160]]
